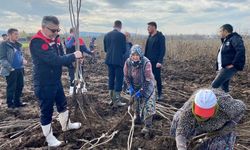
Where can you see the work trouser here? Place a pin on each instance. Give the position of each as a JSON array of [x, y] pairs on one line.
[[48, 95], [157, 75], [15, 83], [115, 74]]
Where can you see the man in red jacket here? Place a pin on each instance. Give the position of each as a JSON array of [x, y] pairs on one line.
[[48, 59]]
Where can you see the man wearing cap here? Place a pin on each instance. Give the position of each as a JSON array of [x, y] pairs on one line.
[[211, 112], [155, 52], [48, 58], [115, 48], [140, 80], [230, 58]]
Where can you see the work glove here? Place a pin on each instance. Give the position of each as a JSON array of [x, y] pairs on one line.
[[131, 90], [138, 94]]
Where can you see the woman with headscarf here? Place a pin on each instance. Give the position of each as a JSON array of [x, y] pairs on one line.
[[140, 79]]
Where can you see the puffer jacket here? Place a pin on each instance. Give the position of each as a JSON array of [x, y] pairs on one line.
[[233, 51]]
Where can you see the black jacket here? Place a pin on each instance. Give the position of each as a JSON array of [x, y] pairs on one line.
[[155, 48], [233, 51], [115, 47], [48, 58]]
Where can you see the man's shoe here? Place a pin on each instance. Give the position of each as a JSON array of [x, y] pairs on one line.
[[159, 98], [21, 104], [10, 106], [145, 130], [119, 103], [138, 120]]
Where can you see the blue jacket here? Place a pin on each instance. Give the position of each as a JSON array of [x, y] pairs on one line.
[[115, 47], [233, 51], [70, 46], [48, 58]]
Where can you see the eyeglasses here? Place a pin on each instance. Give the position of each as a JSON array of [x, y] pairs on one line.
[[54, 30]]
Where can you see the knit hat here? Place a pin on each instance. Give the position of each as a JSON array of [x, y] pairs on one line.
[[137, 49], [205, 103]]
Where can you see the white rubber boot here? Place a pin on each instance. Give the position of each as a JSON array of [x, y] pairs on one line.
[[66, 123], [71, 90], [50, 138]]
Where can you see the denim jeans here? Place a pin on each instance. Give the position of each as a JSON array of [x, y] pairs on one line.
[[223, 78]]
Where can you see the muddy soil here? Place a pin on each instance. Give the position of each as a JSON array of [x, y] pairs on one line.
[[180, 80]]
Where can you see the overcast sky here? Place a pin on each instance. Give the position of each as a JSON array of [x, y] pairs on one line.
[[172, 16]]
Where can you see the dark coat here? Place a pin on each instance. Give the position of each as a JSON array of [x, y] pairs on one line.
[[48, 58], [233, 51], [155, 48], [115, 48]]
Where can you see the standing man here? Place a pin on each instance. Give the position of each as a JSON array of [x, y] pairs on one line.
[[11, 67], [48, 59], [115, 47], [70, 48], [92, 44], [231, 57], [155, 52]]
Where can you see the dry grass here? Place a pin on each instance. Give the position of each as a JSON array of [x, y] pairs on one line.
[[181, 49]]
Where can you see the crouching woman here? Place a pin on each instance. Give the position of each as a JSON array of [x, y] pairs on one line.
[[210, 112], [139, 78]]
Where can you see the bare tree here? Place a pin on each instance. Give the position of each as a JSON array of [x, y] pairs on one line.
[[74, 19]]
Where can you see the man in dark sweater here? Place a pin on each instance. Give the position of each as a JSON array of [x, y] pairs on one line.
[[230, 58], [155, 52], [12, 68], [115, 48]]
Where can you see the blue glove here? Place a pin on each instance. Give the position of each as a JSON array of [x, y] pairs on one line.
[[131, 90], [138, 94]]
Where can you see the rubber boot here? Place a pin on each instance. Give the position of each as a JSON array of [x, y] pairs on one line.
[[66, 123], [147, 125], [111, 96], [71, 90], [118, 100], [50, 138]]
